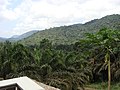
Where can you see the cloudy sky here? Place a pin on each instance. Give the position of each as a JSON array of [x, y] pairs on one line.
[[20, 16]]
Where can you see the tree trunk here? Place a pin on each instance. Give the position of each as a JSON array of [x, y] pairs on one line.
[[109, 74]]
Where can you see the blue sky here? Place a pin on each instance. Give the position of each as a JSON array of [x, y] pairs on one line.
[[20, 16]]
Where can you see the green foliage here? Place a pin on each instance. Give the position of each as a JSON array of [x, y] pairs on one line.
[[103, 86], [73, 33], [45, 63], [68, 67]]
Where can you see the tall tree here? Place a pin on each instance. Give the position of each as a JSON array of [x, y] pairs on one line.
[[5, 59], [107, 40]]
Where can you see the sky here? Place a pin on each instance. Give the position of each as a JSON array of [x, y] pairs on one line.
[[20, 16]]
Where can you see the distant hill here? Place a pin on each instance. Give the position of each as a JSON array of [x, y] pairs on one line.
[[2, 39], [72, 33], [15, 36], [19, 37]]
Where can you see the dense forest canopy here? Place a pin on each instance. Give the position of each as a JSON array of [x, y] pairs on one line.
[[67, 57], [73, 33], [68, 67]]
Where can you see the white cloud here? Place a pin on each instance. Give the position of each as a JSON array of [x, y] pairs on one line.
[[41, 14]]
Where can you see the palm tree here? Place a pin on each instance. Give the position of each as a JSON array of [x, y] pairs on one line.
[[5, 59], [107, 39], [22, 61]]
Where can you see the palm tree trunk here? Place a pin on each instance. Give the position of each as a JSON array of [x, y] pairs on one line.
[[107, 59], [109, 74]]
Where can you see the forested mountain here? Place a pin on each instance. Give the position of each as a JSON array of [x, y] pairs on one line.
[[72, 33], [2, 39], [94, 58], [18, 37]]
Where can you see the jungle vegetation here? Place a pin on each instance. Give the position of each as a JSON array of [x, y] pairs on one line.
[[73, 33], [93, 59]]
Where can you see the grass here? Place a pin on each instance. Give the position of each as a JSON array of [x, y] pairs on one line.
[[103, 86]]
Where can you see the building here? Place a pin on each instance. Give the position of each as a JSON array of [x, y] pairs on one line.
[[21, 83]]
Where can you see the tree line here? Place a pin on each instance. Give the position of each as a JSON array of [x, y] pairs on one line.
[[95, 58]]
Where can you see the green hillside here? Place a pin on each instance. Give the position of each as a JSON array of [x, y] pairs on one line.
[[72, 33]]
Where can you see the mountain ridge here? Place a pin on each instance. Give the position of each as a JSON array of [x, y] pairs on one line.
[[66, 34], [22, 36], [18, 37], [72, 33]]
